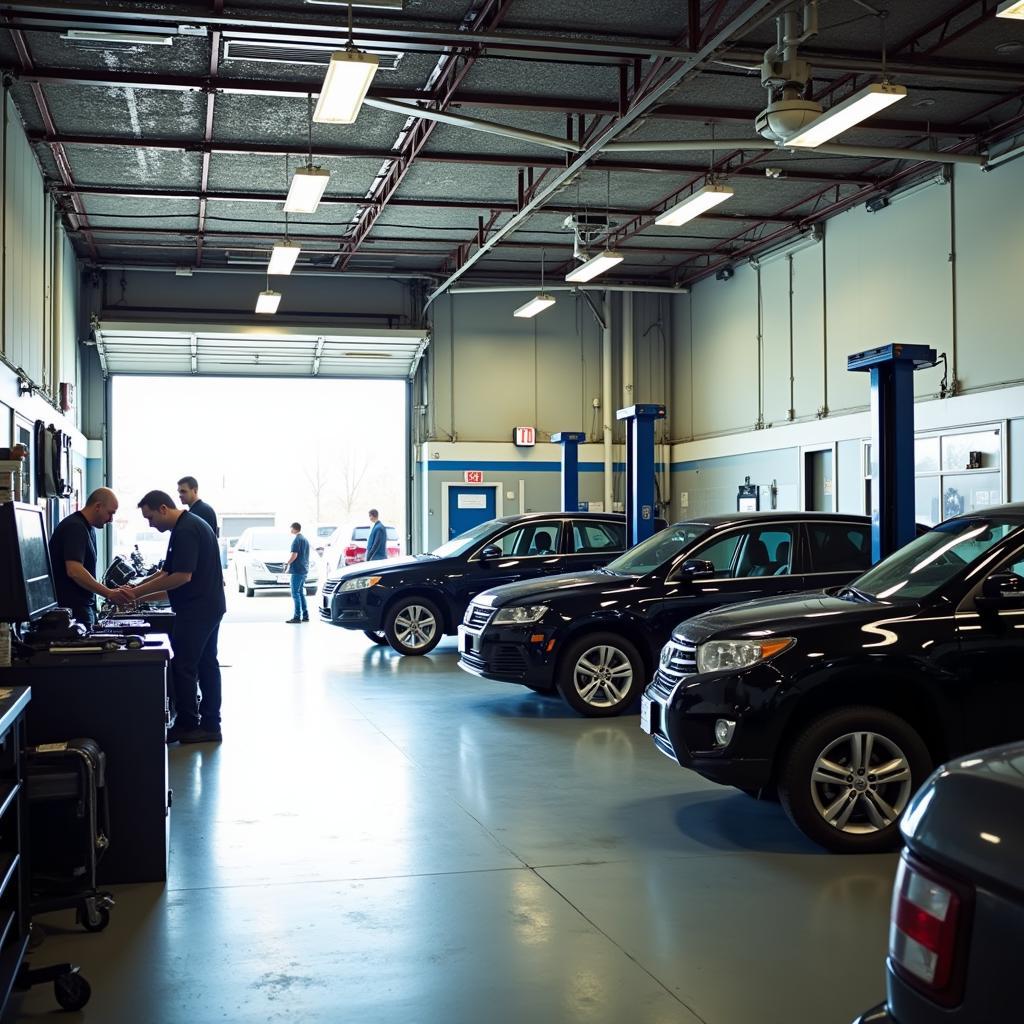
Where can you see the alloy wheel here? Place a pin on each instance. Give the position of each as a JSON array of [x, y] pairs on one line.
[[415, 626], [602, 676], [861, 782]]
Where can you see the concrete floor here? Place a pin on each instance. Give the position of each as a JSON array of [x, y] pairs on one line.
[[384, 840]]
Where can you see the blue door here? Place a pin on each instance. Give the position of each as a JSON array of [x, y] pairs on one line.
[[467, 506]]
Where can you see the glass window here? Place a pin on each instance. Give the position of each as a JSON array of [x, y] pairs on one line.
[[839, 547], [720, 553], [926, 455], [762, 551], [464, 541], [932, 560], [648, 555], [598, 538], [969, 492], [927, 506], [977, 450], [531, 540]]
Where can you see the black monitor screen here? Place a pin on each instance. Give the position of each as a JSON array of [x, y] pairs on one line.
[[28, 579]]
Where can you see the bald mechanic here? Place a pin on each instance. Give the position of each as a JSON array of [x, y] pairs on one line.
[[192, 578], [73, 554]]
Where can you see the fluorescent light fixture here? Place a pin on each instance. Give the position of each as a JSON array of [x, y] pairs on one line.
[[268, 302], [595, 265], [395, 5], [859, 107], [283, 257], [795, 245], [85, 35], [536, 305], [1011, 9], [694, 205], [348, 78], [306, 189]]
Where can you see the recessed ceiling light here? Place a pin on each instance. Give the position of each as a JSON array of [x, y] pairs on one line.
[[1010, 46]]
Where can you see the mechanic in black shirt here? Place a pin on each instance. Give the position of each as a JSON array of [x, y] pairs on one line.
[[73, 554], [188, 491], [192, 577]]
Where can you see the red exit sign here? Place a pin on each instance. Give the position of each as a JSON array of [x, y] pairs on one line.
[[524, 437], [473, 476]]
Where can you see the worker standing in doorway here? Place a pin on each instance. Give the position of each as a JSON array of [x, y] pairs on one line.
[[188, 491], [377, 542], [298, 570]]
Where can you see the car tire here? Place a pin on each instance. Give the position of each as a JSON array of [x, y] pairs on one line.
[[829, 791], [600, 675], [249, 591], [238, 584], [375, 636], [414, 625]]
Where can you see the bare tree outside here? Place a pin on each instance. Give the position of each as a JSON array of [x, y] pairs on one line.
[[351, 466]]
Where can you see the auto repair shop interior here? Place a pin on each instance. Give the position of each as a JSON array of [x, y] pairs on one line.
[[699, 629]]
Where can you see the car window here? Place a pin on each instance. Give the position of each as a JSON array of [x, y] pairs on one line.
[[757, 551], [531, 540], [838, 547], [598, 538], [649, 554]]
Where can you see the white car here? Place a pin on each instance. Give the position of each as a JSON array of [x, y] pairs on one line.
[[261, 561]]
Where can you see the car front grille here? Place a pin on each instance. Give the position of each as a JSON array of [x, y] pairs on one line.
[[678, 660], [504, 658], [276, 566], [330, 587], [477, 616]]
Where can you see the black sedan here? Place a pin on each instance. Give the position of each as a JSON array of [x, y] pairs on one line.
[[959, 897], [595, 636], [841, 703], [413, 602]]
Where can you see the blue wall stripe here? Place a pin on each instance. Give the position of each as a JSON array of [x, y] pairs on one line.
[[434, 465]]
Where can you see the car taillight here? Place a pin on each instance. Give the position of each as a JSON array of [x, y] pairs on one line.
[[926, 931]]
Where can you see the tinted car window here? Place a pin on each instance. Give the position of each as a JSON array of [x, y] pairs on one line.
[[933, 559], [596, 538], [531, 539], [838, 547], [657, 550], [761, 551], [461, 544], [720, 553]]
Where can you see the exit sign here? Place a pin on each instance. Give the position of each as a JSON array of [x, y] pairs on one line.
[[473, 476], [524, 437]]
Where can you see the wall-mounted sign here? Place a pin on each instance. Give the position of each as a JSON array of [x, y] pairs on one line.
[[524, 437], [472, 501], [473, 476]]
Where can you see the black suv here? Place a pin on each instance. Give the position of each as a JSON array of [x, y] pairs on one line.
[[842, 702], [412, 602], [596, 636]]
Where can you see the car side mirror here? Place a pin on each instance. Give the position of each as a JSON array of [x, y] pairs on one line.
[[491, 552], [1001, 590], [696, 569]]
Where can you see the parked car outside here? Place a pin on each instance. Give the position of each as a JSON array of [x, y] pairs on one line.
[[348, 545], [261, 561], [413, 602], [324, 533], [958, 899], [595, 636], [842, 702]]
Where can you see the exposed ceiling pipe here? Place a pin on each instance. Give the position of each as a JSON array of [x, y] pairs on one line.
[[168, 268], [474, 123], [652, 289], [829, 149]]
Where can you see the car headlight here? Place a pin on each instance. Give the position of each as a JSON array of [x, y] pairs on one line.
[[723, 655], [519, 615], [360, 583], [258, 567]]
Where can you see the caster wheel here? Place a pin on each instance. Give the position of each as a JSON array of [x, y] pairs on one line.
[[97, 920], [72, 991]]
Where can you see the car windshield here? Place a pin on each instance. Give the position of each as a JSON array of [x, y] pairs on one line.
[[271, 541], [461, 544], [932, 560], [657, 550]]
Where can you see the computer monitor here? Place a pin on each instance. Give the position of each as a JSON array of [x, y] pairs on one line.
[[26, 576]]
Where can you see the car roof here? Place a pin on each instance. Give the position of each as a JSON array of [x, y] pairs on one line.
[[527, 517], [1012, 510], [720, 519]]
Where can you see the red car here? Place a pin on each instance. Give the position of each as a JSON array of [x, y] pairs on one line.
[[349, 546]]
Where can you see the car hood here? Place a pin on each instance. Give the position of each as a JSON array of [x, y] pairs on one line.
[[970, 814], [570, 584], [381, 568], [782, 615]]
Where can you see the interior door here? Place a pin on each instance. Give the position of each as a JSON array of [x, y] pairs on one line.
[[468, 506]]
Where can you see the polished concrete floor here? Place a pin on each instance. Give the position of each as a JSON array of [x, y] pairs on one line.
[[384, 840]]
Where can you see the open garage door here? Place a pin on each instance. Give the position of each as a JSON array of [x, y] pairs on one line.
[[283, 350]]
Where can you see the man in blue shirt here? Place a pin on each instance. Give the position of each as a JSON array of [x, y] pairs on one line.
[[298, 570], [377, 542], [192, 578]]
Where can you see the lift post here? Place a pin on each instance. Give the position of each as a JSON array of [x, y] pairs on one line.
[[892, 437], [640, 505], [570, 441]]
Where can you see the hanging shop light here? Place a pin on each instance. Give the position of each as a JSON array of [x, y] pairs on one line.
[[859, 107], [1011, 9], [540, 301], [283, 257], [694, 205], [268, 301], [595, 265], [348, 78], [309, 182]]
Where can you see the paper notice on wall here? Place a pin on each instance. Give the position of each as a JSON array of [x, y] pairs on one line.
[[684, 499], [595, 506], [472, 501]]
